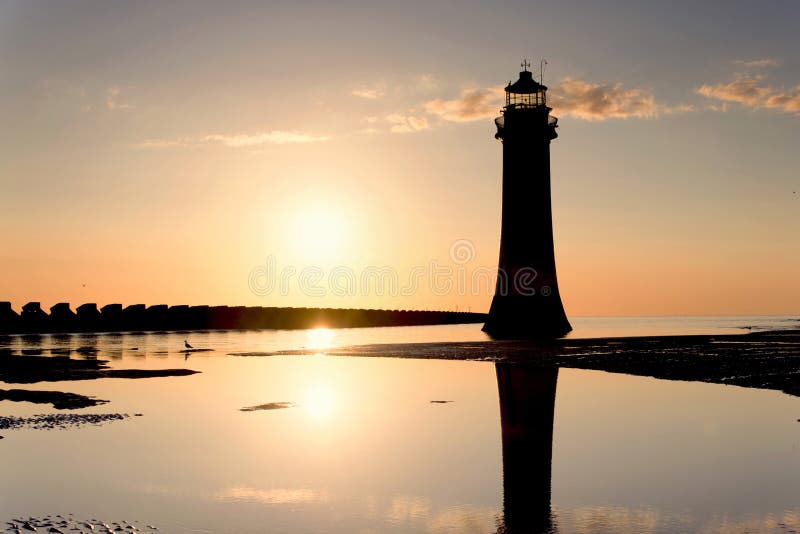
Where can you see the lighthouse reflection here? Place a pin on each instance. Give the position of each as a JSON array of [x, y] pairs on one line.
[[527, 403]]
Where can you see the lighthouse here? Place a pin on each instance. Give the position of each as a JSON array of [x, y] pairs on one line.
[[527, 302]]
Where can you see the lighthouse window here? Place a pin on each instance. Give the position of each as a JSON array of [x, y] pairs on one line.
[[525, 100]]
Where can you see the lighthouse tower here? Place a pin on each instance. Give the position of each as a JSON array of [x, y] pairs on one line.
[[527, 302]]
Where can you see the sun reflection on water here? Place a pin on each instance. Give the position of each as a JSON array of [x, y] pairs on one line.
[[319, 338], [319, 401]]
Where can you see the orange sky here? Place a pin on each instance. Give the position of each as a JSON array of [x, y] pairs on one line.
[[165, 156]]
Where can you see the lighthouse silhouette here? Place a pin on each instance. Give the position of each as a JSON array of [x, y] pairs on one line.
[[527, 302]]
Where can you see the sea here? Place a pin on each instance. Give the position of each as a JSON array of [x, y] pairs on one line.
[[316, 443]]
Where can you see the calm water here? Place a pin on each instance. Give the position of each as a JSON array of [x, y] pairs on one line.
[[363, 448]]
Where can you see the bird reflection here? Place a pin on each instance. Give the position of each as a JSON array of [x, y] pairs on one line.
[[527, 402]]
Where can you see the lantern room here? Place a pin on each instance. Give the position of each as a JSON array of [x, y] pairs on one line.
[[525, 93]]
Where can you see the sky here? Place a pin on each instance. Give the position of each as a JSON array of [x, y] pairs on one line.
[[341, 154]]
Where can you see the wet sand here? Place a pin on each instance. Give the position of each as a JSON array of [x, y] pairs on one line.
[[59, 399], [59, 421], [32, 369], [268, 406], [765, 360], [69, 523]]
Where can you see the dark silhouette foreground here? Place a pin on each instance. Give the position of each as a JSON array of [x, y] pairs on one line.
[[527, 408], [160, 317], [25, 369]]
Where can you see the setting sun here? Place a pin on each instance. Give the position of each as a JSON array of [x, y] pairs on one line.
[[319, 233]]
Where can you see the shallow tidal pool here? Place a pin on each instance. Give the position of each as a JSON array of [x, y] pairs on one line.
[[342, 445]]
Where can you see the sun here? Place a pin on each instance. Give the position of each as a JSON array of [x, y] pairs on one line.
[[319, 233]]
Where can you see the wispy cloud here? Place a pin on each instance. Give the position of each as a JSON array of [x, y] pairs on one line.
[[786, 101], [235, 140], [113, 99], [571, 97], [756, 63], [473, 104], [406, 123], [426, 82], [369, 92], [674, 110], [165, 143], [743, 89], [595, 101], [276, 136], [753, 92]]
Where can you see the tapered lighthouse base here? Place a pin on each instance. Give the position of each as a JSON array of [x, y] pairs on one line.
[[525, 317]]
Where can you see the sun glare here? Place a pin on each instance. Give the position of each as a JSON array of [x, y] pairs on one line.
[[319, 338], [319, 232], [319, 402]]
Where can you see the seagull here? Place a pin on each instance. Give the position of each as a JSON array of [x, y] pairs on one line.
[[186, 344]]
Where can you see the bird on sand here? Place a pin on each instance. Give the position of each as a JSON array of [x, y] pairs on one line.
[[186, 344]]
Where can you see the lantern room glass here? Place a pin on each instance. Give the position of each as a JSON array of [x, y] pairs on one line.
[[525, 100]]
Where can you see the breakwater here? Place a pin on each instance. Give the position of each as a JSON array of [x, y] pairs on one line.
[[161, 317]]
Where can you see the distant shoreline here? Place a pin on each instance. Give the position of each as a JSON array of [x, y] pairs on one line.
[[162, 318]]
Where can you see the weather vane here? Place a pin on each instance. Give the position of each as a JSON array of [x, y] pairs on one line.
[[525, 64], [541, 71]]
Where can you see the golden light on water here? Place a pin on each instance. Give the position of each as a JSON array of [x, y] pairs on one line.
[[319, 338], [319, 401], [271, 495]]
